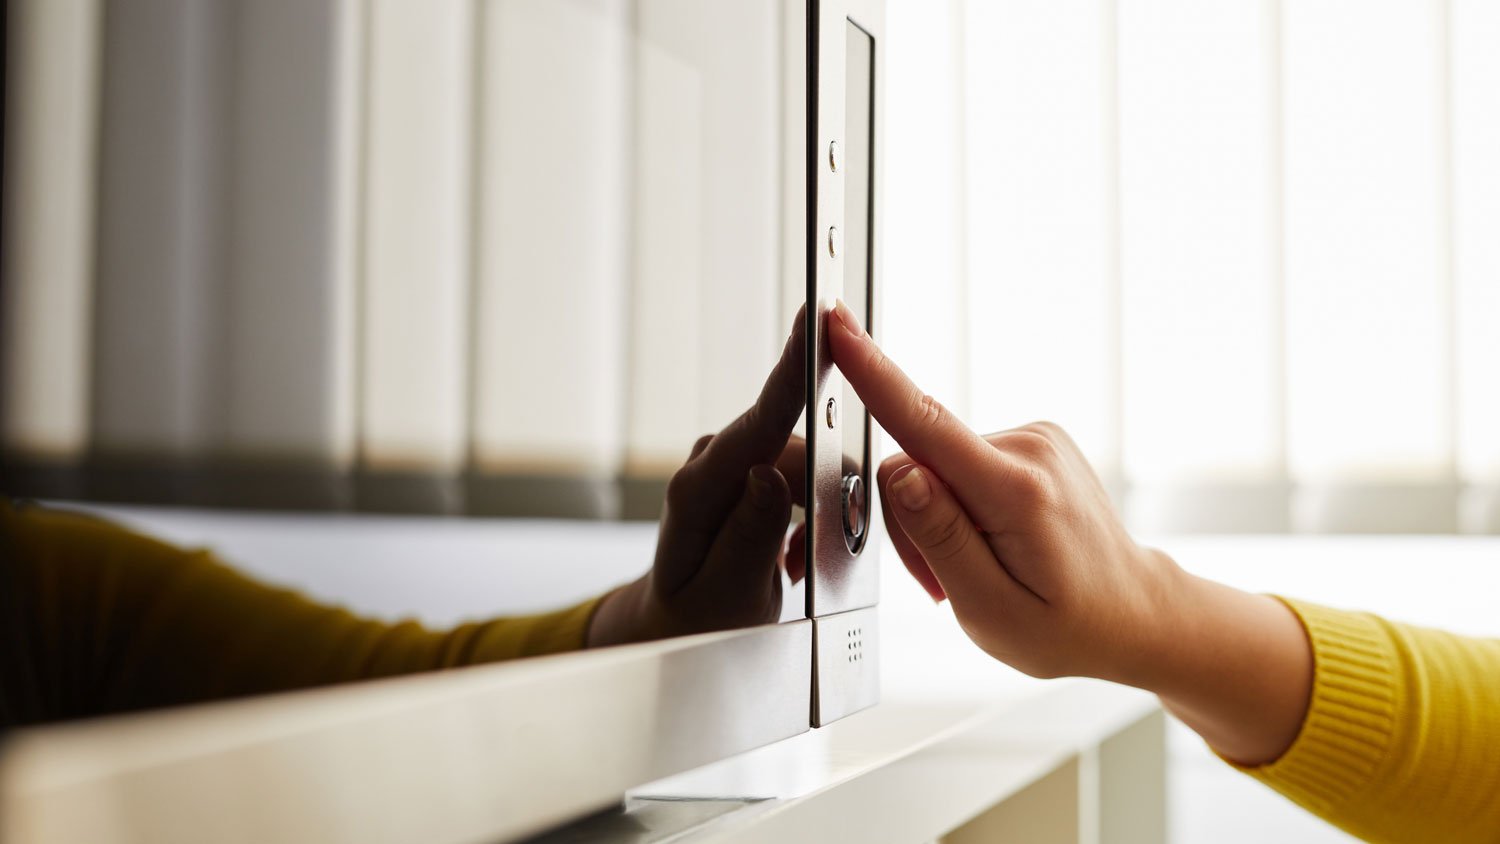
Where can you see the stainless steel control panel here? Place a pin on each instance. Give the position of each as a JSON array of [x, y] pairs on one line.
[[845, 53], [843, 264]]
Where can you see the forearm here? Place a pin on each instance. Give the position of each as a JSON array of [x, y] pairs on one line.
[[1235, 667], [220, 634]]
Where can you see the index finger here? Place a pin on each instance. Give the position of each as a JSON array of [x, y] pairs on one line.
[[925, 429], [760, 434]]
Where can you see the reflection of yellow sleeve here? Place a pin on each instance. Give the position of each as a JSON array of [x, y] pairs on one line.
[[1402, 738], [98, 619]]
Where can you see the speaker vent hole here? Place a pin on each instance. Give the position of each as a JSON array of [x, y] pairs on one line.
[[855, 645]]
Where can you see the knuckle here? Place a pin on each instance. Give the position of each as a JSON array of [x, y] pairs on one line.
[[1032, 487], [1046, 428], [948, 538], [1030, 444], [752, 527], [744, 529], [879, 362], [929, 412], [753, 417], [702, 443], [682, 488], [1061, 439]]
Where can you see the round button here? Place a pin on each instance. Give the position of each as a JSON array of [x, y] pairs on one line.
[[835, 241], [831, 413], [835, 156], [854, 509]]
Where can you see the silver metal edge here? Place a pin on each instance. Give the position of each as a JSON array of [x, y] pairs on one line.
[[846, 664], [486, 753], [828, 557], [838, 580]]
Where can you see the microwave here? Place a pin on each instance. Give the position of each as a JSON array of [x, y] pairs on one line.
[[221, 201]]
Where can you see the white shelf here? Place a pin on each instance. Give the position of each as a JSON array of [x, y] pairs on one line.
[[1062, 762]]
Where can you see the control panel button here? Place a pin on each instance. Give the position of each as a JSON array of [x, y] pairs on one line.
[[854, 510]]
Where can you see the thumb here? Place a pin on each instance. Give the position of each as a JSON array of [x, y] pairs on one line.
[[748, 546], [956, 551]]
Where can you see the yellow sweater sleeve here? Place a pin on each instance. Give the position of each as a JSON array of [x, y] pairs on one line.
[[1401, 742], [98, 619]]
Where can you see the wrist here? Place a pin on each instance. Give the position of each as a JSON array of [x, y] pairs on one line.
[[1152, 650], [617, 619], [1236, 667], [1182, 635]]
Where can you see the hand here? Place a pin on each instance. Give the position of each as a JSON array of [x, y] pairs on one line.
[[1016, 529], [719, 554]]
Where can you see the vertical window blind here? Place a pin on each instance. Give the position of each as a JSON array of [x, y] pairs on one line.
[[1246, 251], [500, 256]]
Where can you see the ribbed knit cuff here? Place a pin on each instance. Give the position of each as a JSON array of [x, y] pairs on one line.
[[564, 630], [1351, 719]]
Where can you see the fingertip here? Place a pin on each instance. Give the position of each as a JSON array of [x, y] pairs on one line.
[[795, 555], [844, 334], [847, 319]]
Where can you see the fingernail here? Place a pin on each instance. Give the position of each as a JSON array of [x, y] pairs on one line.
[[847, 317], [912, 490], [760, 485]]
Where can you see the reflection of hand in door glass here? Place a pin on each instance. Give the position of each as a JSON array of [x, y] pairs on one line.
[[719, 551]]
